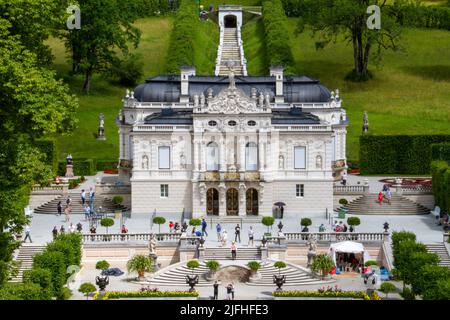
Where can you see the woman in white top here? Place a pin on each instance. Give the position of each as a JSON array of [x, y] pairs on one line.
[[224, 238]]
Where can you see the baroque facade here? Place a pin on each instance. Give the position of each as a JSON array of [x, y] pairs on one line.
[[231, 145]]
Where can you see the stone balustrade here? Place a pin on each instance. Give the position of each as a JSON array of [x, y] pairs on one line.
[[129, 237], [335, 236], [417, 189], [358, 189], [53, 189]]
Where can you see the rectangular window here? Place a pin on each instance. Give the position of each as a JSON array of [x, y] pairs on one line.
[[164, 191], [299, 158], [164, 157], [300, 190]]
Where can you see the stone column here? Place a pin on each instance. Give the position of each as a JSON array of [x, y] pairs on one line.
[[241, 154], [196, 151], [242, 200], [222, 200]]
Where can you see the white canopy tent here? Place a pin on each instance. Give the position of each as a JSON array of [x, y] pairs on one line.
[[348, 247]]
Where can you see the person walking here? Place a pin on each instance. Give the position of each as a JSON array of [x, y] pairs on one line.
[[62, 230], [68, 201], [251, 234], [55, 232], [281, 212], [216, 290], [344, 178], [388, 195], [171, 226], [322, 228], [224, 238], [27, 233], [233, 250], [67, 213], [380, 197], [204, 225], [83, 197], [123, 231], [59, 208], [91, 198], [87, 212], [219, 232], [79, 227], [229, 289], [237, 233]]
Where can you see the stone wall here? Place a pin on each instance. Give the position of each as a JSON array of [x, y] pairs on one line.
[[146, 196]]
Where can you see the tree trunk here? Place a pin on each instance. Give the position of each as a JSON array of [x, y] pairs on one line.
[[87, 81]]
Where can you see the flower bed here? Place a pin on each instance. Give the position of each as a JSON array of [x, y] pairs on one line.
[[326, 294], [111, 171], [409, 182], [147, 294]]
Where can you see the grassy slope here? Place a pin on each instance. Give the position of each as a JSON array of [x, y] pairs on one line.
[[410, 93], [207, 41], [254, 49]]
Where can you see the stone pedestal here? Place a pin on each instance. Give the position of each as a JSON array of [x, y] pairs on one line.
[[69, 171], [154, 258], [264, 253], [101, 134]]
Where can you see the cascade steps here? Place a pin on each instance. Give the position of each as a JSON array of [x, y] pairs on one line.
[[25, 257], [441, 251]]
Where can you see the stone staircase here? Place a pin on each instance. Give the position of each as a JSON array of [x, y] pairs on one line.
[[25, 257], [368, 204], [230, 51], [176, 275], [441, 251], [243, 253], [77, 206], [295, 275]]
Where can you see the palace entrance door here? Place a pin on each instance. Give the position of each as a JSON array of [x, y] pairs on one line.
[[252, 202], [212, 202], [232, 202]]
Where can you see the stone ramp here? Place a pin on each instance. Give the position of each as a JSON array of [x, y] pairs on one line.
[[400, 205]]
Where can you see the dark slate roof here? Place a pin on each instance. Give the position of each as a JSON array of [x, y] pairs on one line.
[[298, 89], [294, 116], [184, 117]]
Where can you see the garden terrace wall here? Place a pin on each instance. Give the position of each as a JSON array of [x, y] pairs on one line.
[[397, 154]]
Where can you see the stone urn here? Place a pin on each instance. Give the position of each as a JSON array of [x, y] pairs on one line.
[[279, 281], [192, 280], [102, 282]]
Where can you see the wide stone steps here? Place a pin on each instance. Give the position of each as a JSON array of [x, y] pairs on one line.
[[25, 257], [77, 206], [176, 276], [368, 204], [295, 276], [441, 251], [232, 219], [225, 253]]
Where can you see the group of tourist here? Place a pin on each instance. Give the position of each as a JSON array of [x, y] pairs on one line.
[[385, 194], [174, 227], [72, 229], [88, 209], [341, 227], [229, 288]]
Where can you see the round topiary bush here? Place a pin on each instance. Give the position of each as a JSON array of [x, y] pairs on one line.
[[387, 287], [343, 202], [268, 222], [306, 222], [254, 265], [279, 265], [87, 288], [159, 221], [353, 221], [371, 263], [213, 265], [193, 264], [195, 222], [107, 222], [102, 265], [117, 200]]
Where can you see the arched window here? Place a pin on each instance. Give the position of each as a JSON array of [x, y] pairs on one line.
[[251, 156], [212, 157]]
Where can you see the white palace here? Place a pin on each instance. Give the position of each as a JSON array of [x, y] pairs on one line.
[[231, 144]]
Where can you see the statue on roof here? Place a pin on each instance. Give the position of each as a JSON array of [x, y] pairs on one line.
[[230, 65], [365, 122]]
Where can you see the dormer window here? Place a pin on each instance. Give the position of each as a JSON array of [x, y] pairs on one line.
[[251, 123], [212, 123], [232, 123]]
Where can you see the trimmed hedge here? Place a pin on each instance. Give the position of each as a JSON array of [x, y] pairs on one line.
[[277, 36], [21, 291], [440, 172], [440, 151], [397, 154], [81, 167], [49, 149], [419, 16], [42, 277], [181, 44], [103, 165], [54, 262]]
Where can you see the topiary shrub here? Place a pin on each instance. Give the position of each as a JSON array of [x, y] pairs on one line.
[[279, 265], [254, 265], [343, 202], [371, 263], [387, 287], [87, 288], [213, 265], [305, 222], [117, 200], [268, 222], [159, 221], [21, 291], [102, 265], [107, 222], [353, 221]]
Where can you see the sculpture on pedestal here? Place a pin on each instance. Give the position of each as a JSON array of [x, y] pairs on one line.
[[365, 122], [152, 250], [101, 127], [312, 243], [69, 166]]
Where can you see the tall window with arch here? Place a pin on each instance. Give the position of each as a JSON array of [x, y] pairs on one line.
[[212, 157], [251, 156]]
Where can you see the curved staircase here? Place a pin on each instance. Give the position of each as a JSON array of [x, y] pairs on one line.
[[175, 275], [367, 204], [77, 206]]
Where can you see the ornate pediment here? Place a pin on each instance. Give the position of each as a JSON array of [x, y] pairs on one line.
[[231, 100]]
